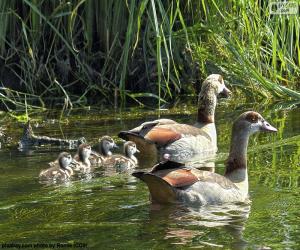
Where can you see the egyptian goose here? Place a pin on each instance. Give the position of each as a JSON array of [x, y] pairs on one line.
[[61, 172], [170, 182], [181, 142], [106, 144], [123, 163]]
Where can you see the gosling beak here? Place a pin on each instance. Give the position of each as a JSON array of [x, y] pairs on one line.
[[115, 145], [138, 151], [225, 93], [267, 127], [74, 162]]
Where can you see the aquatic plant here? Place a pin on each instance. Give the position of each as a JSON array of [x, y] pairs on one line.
[[80, 52]]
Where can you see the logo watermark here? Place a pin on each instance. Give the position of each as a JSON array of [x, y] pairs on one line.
[[284, 8]]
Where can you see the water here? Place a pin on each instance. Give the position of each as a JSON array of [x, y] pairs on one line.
[[114, 212]]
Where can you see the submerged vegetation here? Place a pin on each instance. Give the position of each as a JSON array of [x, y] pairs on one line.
[[71, 53]]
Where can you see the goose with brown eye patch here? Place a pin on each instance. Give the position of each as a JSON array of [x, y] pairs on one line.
[[61, 171], [171, 182], [257, 122], [182, 142], [126, 162]]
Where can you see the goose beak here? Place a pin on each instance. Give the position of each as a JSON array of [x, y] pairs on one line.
[[267, 127], [138, 151], [225, 93], [115, 145]]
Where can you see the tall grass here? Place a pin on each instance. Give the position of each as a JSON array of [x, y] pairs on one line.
[[258, 50], [86, 51]]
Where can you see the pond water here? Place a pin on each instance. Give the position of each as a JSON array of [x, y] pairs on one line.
[[113, 212]]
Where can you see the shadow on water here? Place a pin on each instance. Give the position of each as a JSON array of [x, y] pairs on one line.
[[111, 210]]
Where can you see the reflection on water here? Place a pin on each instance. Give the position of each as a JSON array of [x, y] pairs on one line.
[[103, 208], [180, 222]]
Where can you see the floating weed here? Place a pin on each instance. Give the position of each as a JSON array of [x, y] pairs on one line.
[[23, 118]]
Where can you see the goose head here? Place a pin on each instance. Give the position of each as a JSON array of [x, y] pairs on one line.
[[130, 149], [106, 144], [212, 88], [64, 159], [215, 83], [84, 152], [251, 122]]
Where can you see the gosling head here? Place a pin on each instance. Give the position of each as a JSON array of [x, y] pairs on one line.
[[84, 151], [106, 144], [130, 148], [64, 159]]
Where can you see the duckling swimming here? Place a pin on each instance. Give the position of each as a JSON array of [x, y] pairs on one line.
[[123, 163], [82, 162], [61, 172], [104, 147]]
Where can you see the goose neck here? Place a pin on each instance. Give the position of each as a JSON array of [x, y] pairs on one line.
[[239, 145], [206, 106], [236, 165]]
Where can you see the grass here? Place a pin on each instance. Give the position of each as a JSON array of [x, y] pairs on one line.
[[77, 53], [259, 50]]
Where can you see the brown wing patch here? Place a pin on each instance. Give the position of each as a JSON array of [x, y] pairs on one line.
[[162, 136], [178, 178], [185, 129], [207, 176]]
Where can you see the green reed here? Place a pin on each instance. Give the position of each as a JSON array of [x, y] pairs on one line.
[[260, 51], [88, 51]]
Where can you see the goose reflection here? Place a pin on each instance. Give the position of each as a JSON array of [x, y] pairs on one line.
[[202, 226]]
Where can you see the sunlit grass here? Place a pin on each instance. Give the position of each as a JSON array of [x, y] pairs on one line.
[[84, 52]]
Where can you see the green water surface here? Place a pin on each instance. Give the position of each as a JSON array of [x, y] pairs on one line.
[[113, 212]]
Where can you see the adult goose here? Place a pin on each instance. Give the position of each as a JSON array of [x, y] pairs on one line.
[[181, 142], [171, 182]]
